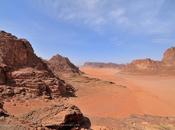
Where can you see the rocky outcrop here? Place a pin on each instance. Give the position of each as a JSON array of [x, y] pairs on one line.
[[32, 83], [18, 53], [169, 57], [24, 74], [149, 66], [62, 66], [102, 65], [143, 65], [58, 117]]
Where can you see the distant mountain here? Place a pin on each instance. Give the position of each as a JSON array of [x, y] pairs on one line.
[[62, 66], [102, 65], [149, 66], [143, 66]]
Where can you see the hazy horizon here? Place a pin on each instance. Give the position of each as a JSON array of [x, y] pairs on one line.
[[92, 30]]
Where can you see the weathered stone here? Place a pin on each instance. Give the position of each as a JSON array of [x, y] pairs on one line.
[[62, 66], [2, 111], [169, 56], [27, 71]]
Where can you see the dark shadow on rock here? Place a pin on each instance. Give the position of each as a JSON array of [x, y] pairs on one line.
[[76, 121]]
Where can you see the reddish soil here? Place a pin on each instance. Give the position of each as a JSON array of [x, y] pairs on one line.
[[143, 95]]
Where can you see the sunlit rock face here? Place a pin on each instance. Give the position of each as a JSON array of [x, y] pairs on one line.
[[18, 53], [143, 66], [25, 74], [149, 66], [169, 56]]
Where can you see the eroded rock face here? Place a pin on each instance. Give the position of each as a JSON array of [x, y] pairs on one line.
[[24, 76], [169, 56], [28, 75], [17, 53], [149, 66], [143, 65], [62, 66]]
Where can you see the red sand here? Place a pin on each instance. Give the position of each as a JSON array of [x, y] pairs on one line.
[[144, 95]]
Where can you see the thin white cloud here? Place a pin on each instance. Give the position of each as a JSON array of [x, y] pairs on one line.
[[137, 16], [118, 15]]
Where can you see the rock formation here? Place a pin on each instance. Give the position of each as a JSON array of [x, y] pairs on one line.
[[169, 57], [149, 66], [24, 74], [18, 53], [62, 66], [143, 66], [102, 65], [58, 117]]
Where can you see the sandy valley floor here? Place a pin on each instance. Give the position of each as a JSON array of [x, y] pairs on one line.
[[130, 95], [111, 99], [143, 94]]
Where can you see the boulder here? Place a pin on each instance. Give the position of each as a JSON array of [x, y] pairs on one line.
[[59, 117]]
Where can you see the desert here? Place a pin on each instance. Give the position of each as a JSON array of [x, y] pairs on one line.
[[55, 94], [87, 65]]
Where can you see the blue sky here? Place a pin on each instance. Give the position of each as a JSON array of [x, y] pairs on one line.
[[92, 30]]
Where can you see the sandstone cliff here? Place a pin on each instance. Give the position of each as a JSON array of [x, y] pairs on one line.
[[25, 77], [149, 66], [24, 74], [169, 56], [143, 66]]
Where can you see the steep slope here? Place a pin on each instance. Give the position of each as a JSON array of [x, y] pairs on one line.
[[18, 53], [24, 74], [169, 56], [62, 66], [24, 78]]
